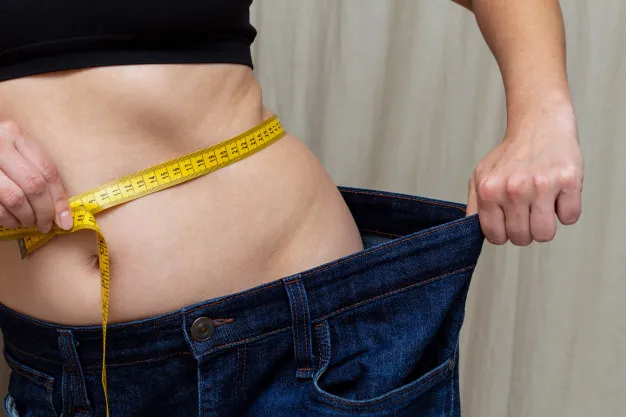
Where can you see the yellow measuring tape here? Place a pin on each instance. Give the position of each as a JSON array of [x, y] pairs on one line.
[[85, 206]]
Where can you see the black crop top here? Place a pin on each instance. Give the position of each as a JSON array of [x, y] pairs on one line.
[[41, 36]]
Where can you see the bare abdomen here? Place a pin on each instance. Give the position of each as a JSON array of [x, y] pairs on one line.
[[270, 215]]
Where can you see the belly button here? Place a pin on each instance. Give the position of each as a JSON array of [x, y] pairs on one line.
[[94, 262]]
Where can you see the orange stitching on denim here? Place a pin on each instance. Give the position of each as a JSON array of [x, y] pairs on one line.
[[221, 322], [414, 199], [250, 339], [306, 336], [379, 232], [399, 290], [243, 389], [385, 246], [237, 381], [426, 385], [33, 375], [295, 310], [319, 346], [123, 364], [13, 347]]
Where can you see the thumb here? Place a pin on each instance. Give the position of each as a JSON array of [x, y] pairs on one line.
[[472, 197]]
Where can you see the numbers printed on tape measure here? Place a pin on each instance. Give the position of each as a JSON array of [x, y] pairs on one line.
[[85, 206]]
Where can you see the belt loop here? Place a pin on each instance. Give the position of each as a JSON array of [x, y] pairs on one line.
[[300, 326], [75, 400]]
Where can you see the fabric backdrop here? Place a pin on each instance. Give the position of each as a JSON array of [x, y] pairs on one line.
[[404, 96]]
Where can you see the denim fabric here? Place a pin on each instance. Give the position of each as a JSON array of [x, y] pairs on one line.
[[375, 334]]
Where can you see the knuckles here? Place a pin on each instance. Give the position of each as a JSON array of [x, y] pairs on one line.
[[519, 187], [49, 172], [570, 178], [490, 188], [34, 185], [9, 129], [14, 199]]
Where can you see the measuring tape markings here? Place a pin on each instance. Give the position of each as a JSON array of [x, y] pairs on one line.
[[85, 206]]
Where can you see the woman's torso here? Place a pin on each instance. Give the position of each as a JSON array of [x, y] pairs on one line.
[[268, 216]]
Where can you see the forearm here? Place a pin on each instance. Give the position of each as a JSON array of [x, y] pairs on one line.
[[528, 42]]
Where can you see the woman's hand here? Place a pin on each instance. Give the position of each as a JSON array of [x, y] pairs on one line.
[[31, 191], [533, 176]]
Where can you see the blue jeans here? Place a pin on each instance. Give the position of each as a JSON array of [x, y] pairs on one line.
[[375, 333]]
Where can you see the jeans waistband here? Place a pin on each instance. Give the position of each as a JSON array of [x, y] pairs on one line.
[[424, 240]]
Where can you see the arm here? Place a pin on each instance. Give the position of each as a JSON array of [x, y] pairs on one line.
[[536, 173]]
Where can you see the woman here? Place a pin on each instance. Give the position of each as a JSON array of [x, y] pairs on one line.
[[93, 91]]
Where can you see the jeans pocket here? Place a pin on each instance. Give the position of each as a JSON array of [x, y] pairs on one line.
[[395, 351], [30, 391]]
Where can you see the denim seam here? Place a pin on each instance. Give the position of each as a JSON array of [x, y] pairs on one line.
[[121, 365], [306, 325], [408, 392], [237, 385], [243, 388], [296, 336], [380, 233], [80, 399], [71, 367], [397, 291], [34, 376], [452, 393], [47, 384], [407, 198], [305, 350], [30, 355], [248, 340]]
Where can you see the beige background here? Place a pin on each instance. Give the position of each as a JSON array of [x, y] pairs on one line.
[[404, 95]]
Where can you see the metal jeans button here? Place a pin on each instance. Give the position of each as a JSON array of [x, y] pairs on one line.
[[202, 329]]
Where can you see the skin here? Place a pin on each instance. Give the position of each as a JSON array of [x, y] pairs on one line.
[[238, 228]]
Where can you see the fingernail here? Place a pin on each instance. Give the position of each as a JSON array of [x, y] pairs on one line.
[[65, 218]]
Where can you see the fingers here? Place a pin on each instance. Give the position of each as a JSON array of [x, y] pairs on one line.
[[542, 215], [518, 195], [520, 207], [472, 197], [35, 155], [15, 209], [569, 199], [32, 193], [490, 211]]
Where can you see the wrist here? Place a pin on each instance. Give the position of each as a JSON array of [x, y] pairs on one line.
[[527, 105], [554, 109]]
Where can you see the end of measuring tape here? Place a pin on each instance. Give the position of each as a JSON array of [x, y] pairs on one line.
[[22, 246]]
